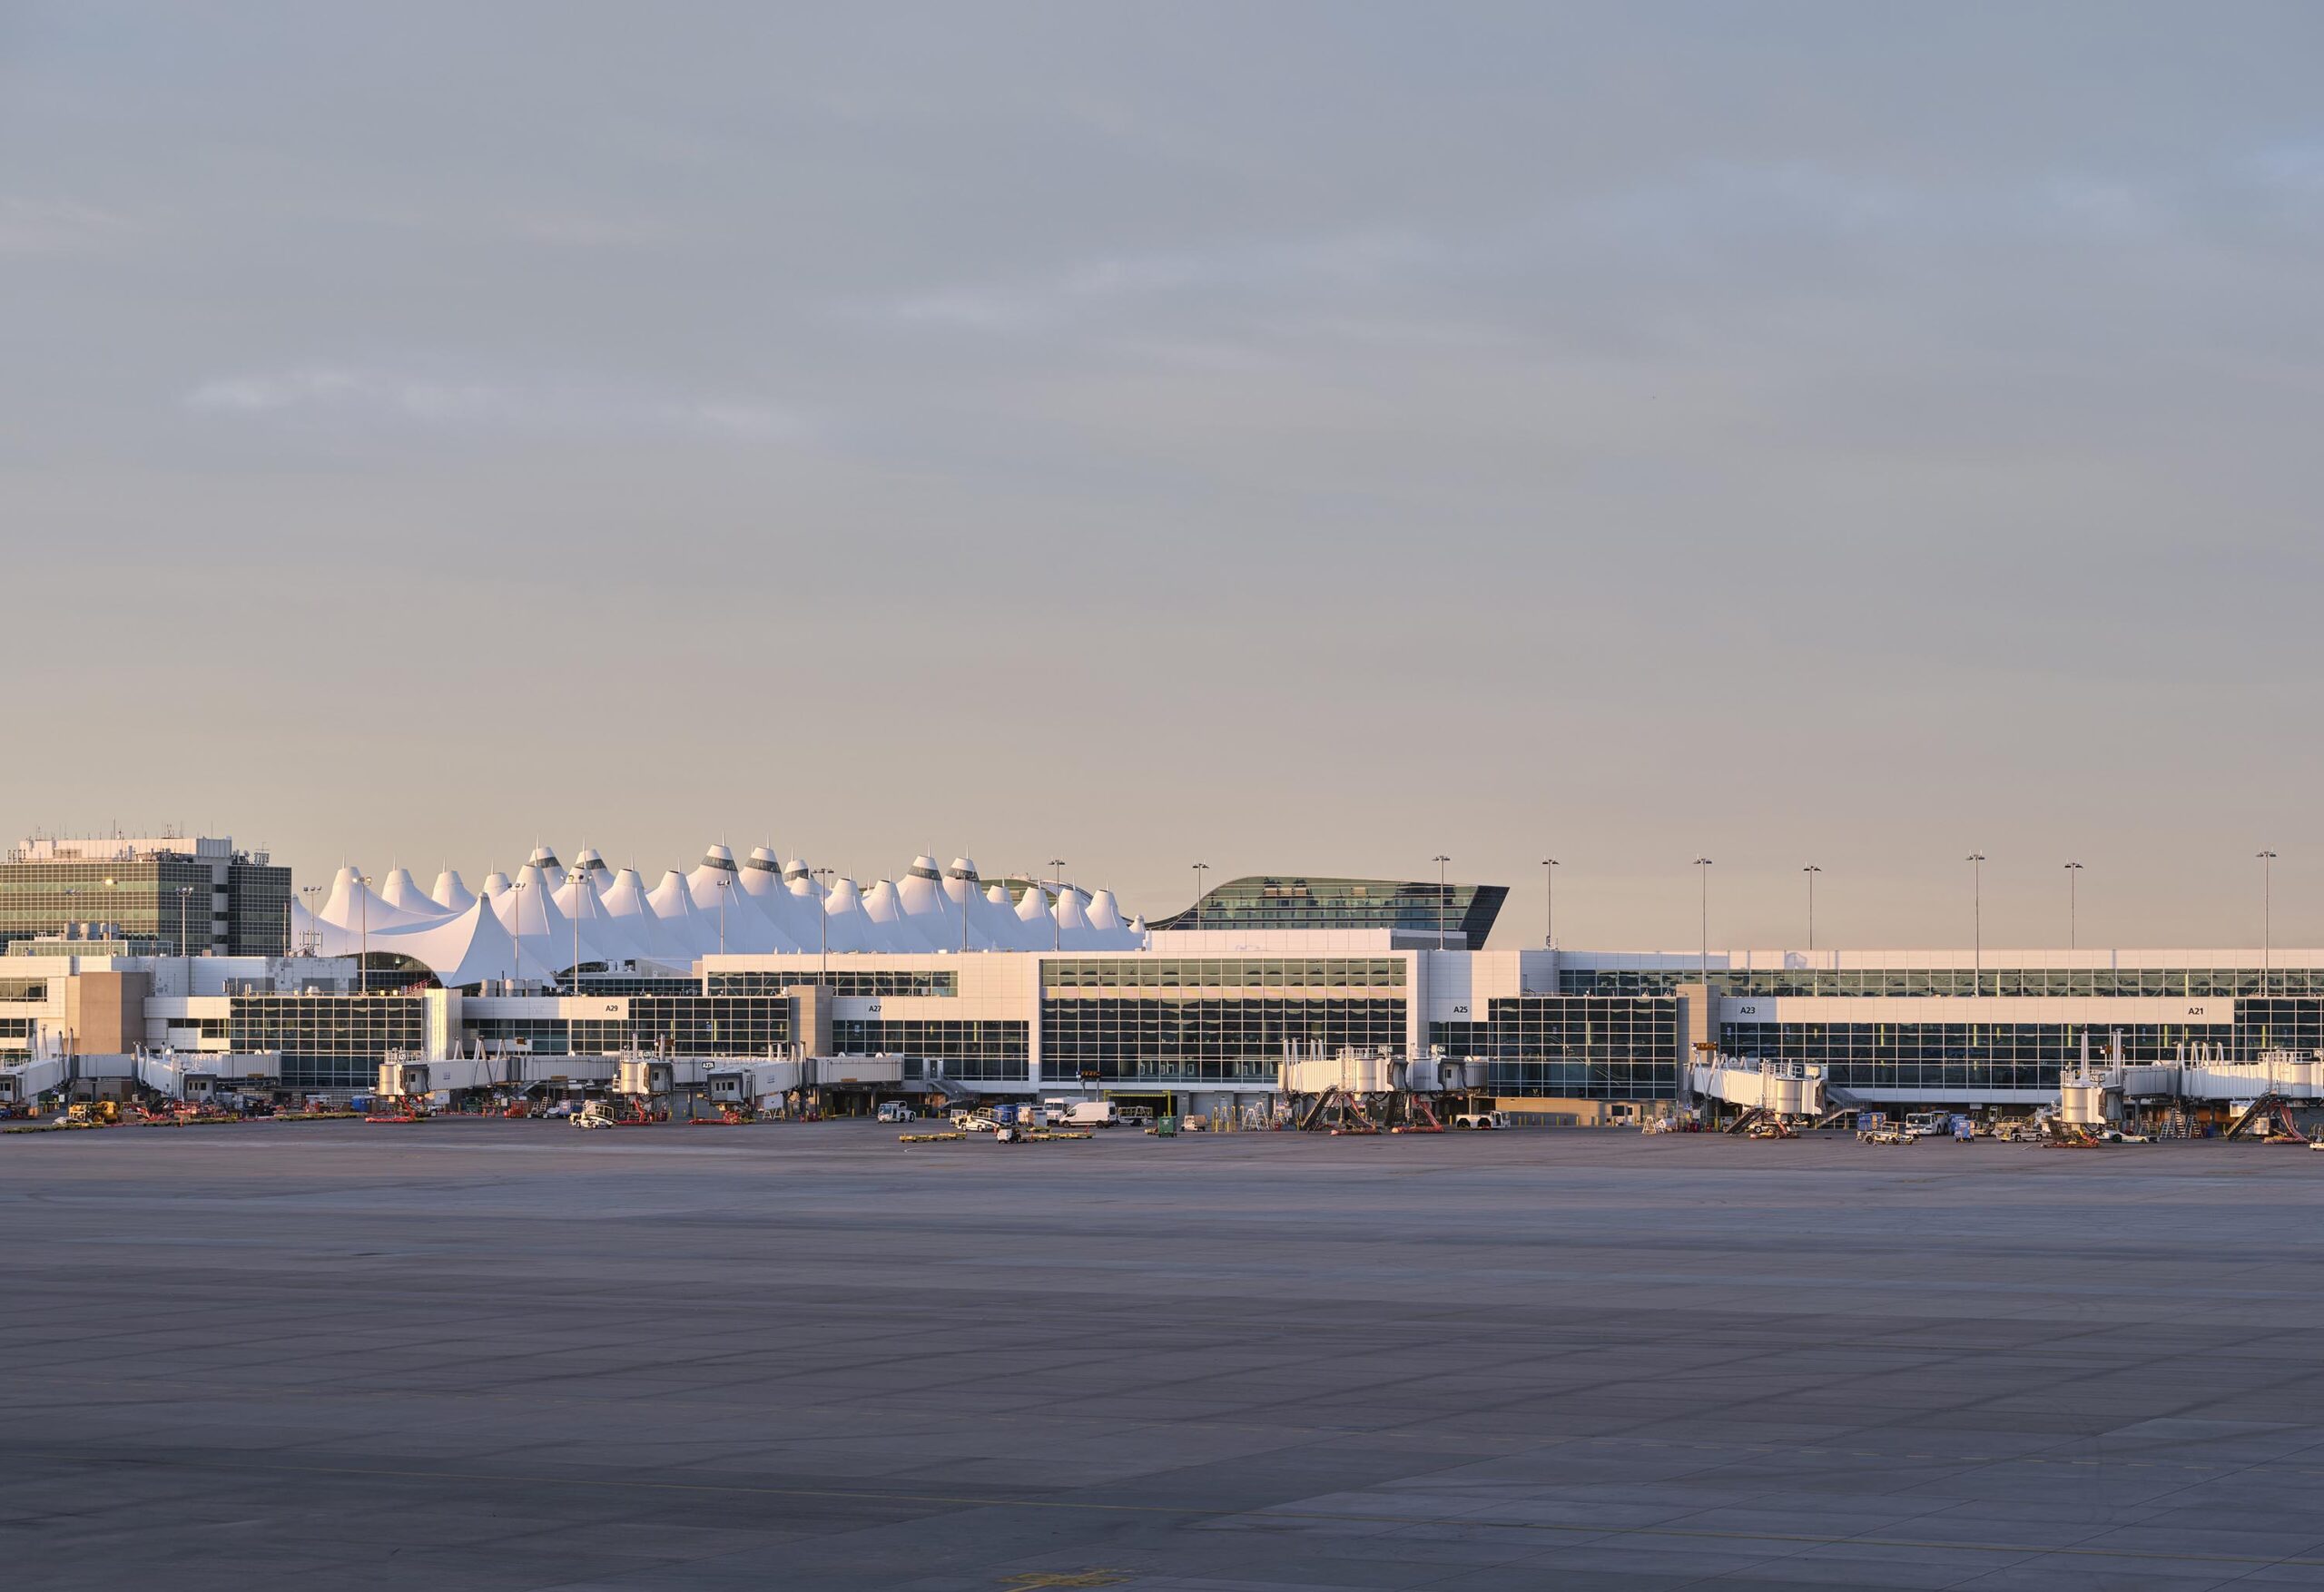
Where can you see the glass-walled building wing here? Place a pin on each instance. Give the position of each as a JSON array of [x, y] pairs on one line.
[[1172, 1022], [328, 1042], [1575, 1047], [2187, 982], [166, 901], [1273, 901]]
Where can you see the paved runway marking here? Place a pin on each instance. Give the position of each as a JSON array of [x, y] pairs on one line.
[[1068, 1578], [1261, 1515]]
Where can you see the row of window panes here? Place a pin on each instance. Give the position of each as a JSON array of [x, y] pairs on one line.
[[692, 1024], [327, 1026], [141, 897], [2283, 1026], [1131, 1038], [2197, 982], [993, 1051], [845, 981], [1225, 973], [601, 983]]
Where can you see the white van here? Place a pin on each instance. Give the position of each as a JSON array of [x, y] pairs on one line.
[[1062, 1112]]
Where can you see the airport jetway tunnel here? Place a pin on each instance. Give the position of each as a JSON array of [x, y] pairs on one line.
[[1784, 1090], [2259, 1095]]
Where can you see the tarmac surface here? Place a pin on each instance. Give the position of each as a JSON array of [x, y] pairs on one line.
[[480, 1355]]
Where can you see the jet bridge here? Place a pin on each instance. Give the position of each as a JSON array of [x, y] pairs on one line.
[[22, 1083], [403, 1076], [1375, 1091], [2260, 1092], [197, 1075], [1771, 1089]]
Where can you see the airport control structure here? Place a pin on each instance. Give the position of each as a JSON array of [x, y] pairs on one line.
[[173, 958]]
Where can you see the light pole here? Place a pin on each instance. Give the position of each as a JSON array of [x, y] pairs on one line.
[[1976, 861], [1704, 864], [1549, 903], [585, 882], [1440, 860], [1811, 870], [722, 882], [1057, 918], [823, 937], [311, 892], [2267, 916], [1200, 869], [185, 944], [363, 956], [516, 940], [2073, 905]]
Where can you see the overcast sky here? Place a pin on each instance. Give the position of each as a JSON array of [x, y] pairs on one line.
[[1293, 438]]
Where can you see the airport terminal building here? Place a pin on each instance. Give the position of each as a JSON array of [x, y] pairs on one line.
[[1032, 986]]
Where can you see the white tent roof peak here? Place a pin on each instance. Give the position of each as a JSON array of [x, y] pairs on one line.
[[625, 898], [765, 859], [962, 868], [717, 856], [451, 893], [402, 891]]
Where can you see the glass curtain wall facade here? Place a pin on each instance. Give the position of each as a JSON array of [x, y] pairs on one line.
[[165, 900], [258, 910], [1129, 1021], [2010, 1055], [842, 982], [1577, 1047], [328, 1041], [2195, 983], [1420, 906], [992, 1052], [693, 1025]]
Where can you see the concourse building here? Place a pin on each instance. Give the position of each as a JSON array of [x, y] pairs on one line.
[[1030, 986]]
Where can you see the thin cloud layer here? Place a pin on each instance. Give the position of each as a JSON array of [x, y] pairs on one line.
[[355, 395]]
